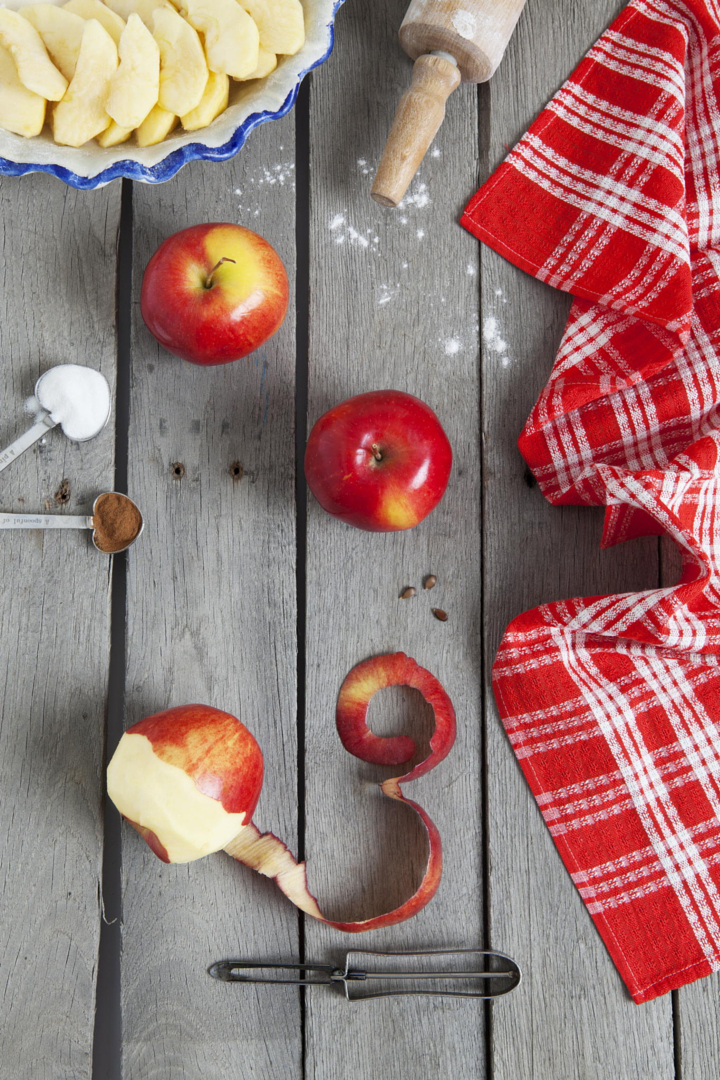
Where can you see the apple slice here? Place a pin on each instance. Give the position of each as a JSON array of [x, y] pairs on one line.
[[95, 9], [35, 69], [114, 135], [183, 68], [81, 115], [169, 769], [61, 32], [232, 42], [212, 103], [267, 62], [21, 111], [144, 8], [156, 126], [281, 24], [135, 86]]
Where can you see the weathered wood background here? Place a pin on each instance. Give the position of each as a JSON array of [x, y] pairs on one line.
[[244, 594]]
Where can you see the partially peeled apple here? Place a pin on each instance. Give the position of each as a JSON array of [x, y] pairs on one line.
[[188, 779]]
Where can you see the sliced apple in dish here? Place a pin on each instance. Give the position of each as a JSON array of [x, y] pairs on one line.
[[183, 68], [35, 69], [61, 32], [95, 9], [212, 103], [135, 86], [144, 8], [156, 126], [267, 62], [113, 135], [232, 41], [188, 779], [21, 111], [281, 24], [81, 115]]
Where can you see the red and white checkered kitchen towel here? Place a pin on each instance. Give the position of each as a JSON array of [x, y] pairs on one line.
[[612, 704]]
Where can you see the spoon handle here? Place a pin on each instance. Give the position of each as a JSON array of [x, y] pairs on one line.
[[44, 521], [20, 445]]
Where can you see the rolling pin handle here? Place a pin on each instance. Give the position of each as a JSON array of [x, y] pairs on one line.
[[419, 115]]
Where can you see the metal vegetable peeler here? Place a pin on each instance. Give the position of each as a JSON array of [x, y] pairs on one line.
[[493, 976]]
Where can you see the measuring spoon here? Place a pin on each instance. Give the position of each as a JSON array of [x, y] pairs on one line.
[[45, 421], [100, 525]]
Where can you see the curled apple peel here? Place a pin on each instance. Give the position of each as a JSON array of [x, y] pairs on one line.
[[188, 780]]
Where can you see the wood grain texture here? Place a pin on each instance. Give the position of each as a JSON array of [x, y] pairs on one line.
[[57, 299], [571, 1018], [394, 304], [212, 619]]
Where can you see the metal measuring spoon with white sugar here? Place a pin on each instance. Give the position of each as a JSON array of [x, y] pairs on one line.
[[115, 520], [75, 397]]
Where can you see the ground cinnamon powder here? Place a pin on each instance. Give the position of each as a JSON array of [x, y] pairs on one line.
[[116, 521]]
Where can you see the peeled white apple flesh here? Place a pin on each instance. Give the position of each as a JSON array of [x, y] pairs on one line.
[[61, 32], [280, 22], [114, 135], [81, 115], [156, 126], [35, 69], [135, 86], [267, 62], [95, 9], [212, 103], [21, 111], [162, 797], [232, 41], [144, 8], [183, 69]]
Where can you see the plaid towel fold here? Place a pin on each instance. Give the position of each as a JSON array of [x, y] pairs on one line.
[[612, 704]]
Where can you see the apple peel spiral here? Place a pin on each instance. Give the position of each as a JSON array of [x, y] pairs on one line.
[[188, 780]]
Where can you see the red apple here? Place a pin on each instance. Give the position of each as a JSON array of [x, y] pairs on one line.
[[379, 461], [213, 293], [188, 779]]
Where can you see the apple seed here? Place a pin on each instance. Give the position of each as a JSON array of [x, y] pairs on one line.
[[407, 593], [439, 614], [430, 582]]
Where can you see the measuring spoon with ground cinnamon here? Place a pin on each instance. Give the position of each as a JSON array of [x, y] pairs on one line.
[[115, 521]]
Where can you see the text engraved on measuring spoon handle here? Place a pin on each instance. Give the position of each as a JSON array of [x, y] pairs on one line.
[[31, 436]]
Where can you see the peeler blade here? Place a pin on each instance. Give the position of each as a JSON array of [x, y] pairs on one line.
[[474, 973]]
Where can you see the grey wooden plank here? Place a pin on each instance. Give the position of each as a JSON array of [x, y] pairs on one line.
[[572, 1017], [394, 304], [212, 618], [57, 299]]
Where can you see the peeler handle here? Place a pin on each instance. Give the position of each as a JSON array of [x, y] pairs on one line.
[[24, 441], [419, 115]]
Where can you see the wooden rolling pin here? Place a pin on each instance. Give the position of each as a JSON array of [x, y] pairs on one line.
[[450, 41]]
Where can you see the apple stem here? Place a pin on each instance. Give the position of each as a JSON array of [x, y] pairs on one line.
[[376, 452], [209, 282]]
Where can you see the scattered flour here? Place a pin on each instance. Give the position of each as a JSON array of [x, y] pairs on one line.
[[494, 340], [365, 169], [343, 233], [387, 293], [471, 270], [436, 152], [421, 234], [452, 346], [418, 197]]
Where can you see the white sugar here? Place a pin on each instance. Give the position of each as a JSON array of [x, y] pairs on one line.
[[77, 398]]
